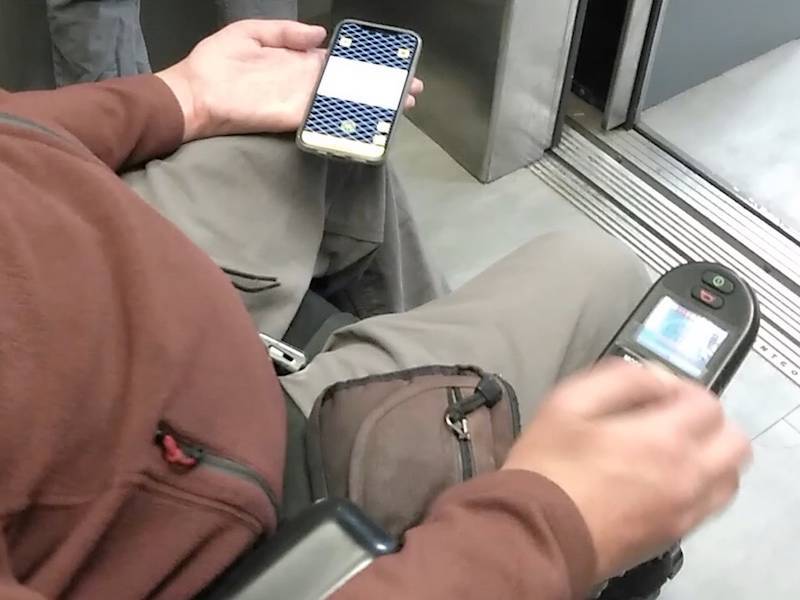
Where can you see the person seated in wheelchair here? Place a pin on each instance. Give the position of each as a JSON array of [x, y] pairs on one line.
[[124, 345]]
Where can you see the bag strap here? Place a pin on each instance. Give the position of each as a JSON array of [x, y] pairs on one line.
[[314, 323]]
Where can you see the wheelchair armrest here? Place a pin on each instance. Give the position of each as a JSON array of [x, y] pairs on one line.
[[308, 559]]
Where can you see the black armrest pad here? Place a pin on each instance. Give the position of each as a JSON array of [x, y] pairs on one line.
[[309, 558]]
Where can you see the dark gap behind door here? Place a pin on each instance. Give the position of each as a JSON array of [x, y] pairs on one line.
[[597, 55]]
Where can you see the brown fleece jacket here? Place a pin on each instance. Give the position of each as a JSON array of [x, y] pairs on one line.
[[142, 429]]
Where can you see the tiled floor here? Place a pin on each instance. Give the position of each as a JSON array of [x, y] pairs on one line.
[[744, 127], [749, 552], [468, 225]]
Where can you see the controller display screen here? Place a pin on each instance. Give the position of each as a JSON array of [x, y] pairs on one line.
[[683, 338]]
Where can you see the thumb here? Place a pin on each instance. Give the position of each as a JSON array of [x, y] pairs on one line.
[[284, 34]]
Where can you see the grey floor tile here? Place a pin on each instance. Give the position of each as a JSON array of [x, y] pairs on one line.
[[469, 225], [794, 419], [743, 127], [759, 396], [750, 552]]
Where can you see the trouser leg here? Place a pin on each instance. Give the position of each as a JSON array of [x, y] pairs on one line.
[[235, 10], [259, 206], [93, 40], [542, 313], [370, 217]]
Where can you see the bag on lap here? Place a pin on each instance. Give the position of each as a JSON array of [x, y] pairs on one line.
[[392, 443]]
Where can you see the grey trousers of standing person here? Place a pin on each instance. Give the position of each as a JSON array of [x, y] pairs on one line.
[[94, 40], [258, 204]]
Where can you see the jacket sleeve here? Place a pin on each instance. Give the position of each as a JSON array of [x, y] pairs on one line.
[[121, 121], [512, 534]]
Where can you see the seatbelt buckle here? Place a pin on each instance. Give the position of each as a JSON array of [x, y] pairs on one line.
[[288, 358]]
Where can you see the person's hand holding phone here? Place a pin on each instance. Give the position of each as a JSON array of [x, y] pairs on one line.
[[645, 457], [253, 76], [366, 78]]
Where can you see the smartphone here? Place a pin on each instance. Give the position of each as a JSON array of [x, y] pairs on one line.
[[360, 95]]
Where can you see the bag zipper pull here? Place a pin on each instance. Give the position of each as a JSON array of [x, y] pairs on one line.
[[487, 393], [459, 427], [175, 453], [490, 390]]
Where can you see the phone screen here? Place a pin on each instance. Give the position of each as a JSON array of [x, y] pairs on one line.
[[684, 338], [361, 90]]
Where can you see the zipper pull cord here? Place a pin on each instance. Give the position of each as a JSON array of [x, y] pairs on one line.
[[487, 393], [174, 454]]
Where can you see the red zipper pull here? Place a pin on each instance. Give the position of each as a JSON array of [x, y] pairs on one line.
[[174, 454]]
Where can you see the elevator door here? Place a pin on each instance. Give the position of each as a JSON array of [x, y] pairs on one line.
[[613, 54]]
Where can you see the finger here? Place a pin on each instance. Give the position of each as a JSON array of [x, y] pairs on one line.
[[317, 57], [411, 102], [717, 497], [724, 493], [727, 452], [695, 411], [614, 386], [659, 370], [283, 34], [723, 461], [689, 412], [417, 87]]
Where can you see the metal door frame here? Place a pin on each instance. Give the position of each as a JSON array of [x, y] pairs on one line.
[[496, 72], [633, 68]]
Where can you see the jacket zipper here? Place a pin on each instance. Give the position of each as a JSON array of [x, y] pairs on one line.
[[23, 123], [176, 451], [463, 436], [258, 283], [182, 453]]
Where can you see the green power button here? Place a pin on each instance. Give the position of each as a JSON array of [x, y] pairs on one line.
[[718, 282]]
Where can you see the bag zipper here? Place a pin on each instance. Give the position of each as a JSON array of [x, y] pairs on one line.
[[516, 419], [181, 453], [461, 430]]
